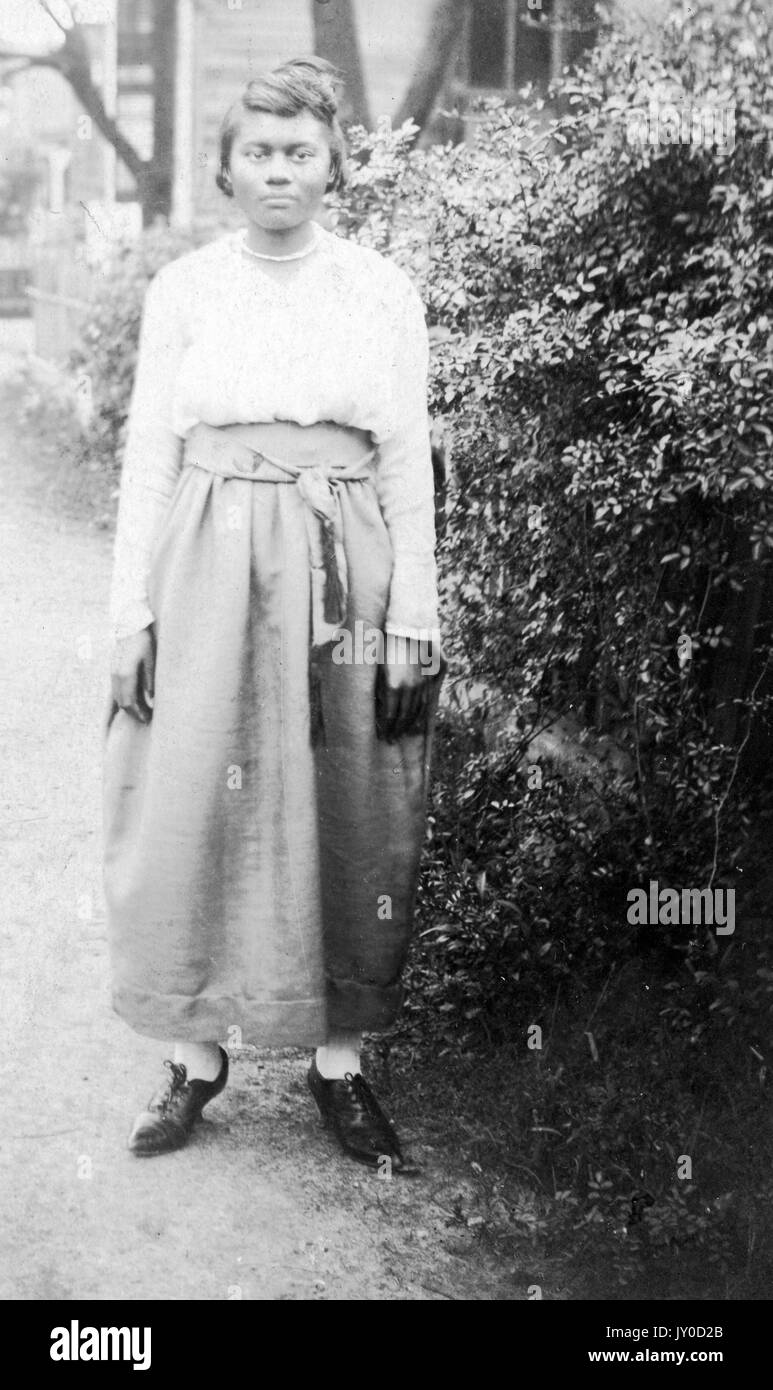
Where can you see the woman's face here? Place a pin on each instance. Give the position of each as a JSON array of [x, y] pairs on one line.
[[280, 167]]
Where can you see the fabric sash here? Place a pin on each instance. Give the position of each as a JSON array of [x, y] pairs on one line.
[[213, 448]]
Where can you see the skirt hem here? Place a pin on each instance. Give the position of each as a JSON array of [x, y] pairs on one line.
[[261, 1023], [364, 1008], [277, 1023]]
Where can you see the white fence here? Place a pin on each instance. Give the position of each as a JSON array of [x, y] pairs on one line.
[[14, 276], [60, 291]]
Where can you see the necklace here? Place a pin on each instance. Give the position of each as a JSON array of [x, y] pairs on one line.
[[294, 255]]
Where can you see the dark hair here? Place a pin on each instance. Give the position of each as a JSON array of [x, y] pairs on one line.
[[302, 84]]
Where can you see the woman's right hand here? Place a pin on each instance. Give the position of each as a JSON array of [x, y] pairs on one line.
[[132, 674]]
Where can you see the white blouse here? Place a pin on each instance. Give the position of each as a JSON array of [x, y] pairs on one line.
[[337, 335]]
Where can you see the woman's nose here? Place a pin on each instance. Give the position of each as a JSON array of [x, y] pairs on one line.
[[277, 172]]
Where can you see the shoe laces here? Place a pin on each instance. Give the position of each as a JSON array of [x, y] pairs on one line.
[[363, 1094], [176, 1082]]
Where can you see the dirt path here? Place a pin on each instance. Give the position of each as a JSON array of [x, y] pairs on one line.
[[260, 1205]]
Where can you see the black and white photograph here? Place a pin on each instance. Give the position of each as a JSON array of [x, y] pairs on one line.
[[386, 452]]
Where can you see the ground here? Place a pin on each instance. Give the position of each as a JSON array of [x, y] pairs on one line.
[[260, 1205]]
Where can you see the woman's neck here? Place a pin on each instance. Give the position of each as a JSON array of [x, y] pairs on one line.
[[287, 242]]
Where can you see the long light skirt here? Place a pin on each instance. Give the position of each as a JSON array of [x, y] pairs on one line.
[[255, 882]]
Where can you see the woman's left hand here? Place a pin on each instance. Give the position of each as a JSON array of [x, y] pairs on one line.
[[403, 692]]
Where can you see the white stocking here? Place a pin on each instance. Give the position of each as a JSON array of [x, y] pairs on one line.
[[202, 1061], [340, 1054]]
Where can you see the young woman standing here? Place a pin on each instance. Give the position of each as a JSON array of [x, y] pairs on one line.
[[264, 798]]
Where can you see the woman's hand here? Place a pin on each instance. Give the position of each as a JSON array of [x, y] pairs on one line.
[[403, 691], [132, 674]]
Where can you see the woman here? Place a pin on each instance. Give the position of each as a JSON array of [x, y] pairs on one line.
[[276, 654]]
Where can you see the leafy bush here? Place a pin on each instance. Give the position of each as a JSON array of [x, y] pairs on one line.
[[106, 352], [39, 395], [608, 546], [606, 557]]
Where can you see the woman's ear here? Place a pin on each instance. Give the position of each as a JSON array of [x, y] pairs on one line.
[[337, 176]]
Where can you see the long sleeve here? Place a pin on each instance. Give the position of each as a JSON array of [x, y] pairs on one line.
[[152, 457], [405, 481]]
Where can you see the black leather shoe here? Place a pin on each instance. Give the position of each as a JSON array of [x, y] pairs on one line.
[[351, 1110], [173, 1110]]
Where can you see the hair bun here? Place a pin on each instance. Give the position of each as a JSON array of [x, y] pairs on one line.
[[319, 73]]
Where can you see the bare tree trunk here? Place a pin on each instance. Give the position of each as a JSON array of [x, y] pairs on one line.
[[158, 178], [573, 31], [445, 29], [335, 38]]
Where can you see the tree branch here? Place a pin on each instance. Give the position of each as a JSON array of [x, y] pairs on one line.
[[74, 62], [45, 6], [15, 63], [336, 38], [443, 33]]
